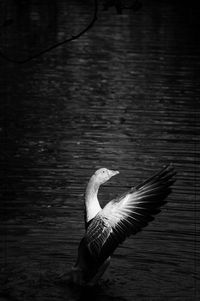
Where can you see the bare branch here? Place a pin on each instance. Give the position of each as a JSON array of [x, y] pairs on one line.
[[57, 44]]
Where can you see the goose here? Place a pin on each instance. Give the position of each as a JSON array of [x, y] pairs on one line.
[[106, 228]]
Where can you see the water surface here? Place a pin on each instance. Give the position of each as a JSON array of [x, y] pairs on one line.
[[123, 96]]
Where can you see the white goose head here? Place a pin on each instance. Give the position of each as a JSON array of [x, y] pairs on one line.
[[102, 175]]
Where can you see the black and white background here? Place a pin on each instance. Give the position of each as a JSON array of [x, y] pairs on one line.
[[122, 95]]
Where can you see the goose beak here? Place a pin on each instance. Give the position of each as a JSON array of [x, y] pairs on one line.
[[114, 172]]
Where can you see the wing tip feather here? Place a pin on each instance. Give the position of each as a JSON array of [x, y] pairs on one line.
[[164, 177]]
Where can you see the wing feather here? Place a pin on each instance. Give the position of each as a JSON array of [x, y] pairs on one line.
[[128, 214]]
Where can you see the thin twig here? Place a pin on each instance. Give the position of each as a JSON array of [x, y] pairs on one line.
[[57, 44]]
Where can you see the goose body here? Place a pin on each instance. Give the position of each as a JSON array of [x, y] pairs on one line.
[[108, 227]]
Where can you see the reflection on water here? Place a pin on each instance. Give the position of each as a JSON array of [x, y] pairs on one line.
[[122, 96]]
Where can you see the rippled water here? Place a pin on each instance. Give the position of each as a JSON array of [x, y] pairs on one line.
[[124, 96]]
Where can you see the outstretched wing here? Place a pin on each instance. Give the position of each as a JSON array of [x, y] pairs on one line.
[[128, 214]]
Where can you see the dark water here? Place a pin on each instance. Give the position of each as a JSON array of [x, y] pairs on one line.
[[125, 96]]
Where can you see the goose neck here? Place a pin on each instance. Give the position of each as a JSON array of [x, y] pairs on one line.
[[91, 200]]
